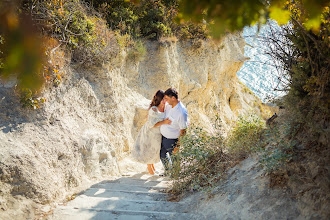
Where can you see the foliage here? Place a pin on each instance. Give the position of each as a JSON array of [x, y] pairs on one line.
[[28, 99], [245, 137], [57, 61], [124, 41], [200, 162], [302, 59], [155, 18], [21, 49], [66, 20], [28, 33], [120, 15], [204, 157], [236, 14], [280, 142], [137, 52], [190, 30], [149, 19], [75, 26]]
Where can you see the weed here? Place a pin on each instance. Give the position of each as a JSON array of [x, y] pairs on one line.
[[28, 100], [280, 141], [137, 52], [244, 138], [201, 161]]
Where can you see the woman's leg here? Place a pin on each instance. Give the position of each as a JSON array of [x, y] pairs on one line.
[[150, 170], [152, 166]]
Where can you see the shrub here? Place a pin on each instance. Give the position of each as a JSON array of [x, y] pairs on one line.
[[149, 19], [200, 162], [204, 158], [192, 30], [280, 141], [102, 45], [48, 31], [155, 19], [29, 100], [137, 51], [301, 58], [245, 137], [75, 26], [120, 15]]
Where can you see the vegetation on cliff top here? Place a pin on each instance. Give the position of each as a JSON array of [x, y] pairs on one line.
[[87, 32]]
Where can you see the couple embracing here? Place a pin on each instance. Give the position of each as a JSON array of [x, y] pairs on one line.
[[167, 122]]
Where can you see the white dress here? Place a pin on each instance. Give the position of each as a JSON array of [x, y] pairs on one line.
[[148, 142]]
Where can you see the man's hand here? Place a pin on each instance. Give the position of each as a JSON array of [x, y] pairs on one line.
[[183, 132], [167, 121], [176, 149]]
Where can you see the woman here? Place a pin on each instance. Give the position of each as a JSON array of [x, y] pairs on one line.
[[148, 142]]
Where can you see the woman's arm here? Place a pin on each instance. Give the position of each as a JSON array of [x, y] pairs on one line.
[[166, 121]]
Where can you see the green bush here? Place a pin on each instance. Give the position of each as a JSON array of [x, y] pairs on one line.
[[200, 162], [120, 15], [68, 21], [302, 56], [204, 158], [137, 52], [192, 30], [74, 25], [245, 137], [280, 141], [149, 19], [155, 19], [29, 100]]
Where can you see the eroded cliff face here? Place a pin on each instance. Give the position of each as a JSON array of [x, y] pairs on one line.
[[92, 118]]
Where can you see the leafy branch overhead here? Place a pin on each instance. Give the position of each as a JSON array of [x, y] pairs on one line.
[[235, 14]]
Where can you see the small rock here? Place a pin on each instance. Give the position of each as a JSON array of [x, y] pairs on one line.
[[46, 208]]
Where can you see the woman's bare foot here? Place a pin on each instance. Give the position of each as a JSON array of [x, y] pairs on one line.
[[150, 170]]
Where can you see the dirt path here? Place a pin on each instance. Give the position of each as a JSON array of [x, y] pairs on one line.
[[134, 197]]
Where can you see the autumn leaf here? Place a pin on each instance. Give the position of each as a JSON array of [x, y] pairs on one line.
[[280, 15], [313, 24]]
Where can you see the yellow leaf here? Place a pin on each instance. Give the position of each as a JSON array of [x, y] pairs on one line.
[[278, 14], [313, 24], [12, 20]]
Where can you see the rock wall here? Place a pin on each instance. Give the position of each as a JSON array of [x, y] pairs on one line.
[[92, 118]]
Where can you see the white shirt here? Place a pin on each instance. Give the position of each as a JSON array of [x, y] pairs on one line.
[[179, 117]]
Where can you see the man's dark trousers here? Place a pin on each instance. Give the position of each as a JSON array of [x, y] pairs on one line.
[[167, 146]]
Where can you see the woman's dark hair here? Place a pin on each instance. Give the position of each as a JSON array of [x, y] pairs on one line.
[[157, 99], [171, 92]]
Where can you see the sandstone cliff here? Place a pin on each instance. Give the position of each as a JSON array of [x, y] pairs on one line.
[[92, 118]]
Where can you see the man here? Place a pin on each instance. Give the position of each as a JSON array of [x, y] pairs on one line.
[[176, 112]]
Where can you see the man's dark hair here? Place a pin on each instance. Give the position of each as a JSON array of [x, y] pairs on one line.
[[171, 92]]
